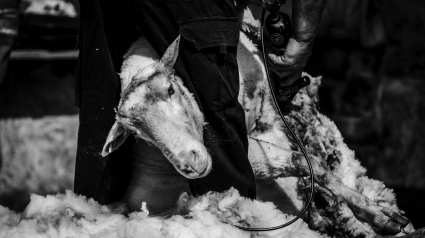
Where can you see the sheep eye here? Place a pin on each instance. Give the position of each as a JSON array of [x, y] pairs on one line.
[[170, 90]]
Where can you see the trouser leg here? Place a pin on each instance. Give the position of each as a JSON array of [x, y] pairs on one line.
[[104, 36], [212, 76], [9, 22]]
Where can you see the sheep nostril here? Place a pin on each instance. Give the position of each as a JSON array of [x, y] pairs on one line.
[[195, 154]]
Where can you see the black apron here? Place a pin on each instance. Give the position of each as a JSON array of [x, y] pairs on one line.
[[207, 64]]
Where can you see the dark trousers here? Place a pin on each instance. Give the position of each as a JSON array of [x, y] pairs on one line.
[[9, 23], [207, 64]]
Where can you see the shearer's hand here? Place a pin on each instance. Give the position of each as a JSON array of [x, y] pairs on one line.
[[306, 16], [272, 5], [290, 65]]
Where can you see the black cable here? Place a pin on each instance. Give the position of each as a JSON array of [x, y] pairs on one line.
[[310, 199]]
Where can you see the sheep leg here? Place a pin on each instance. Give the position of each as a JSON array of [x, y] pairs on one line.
[[270, 162], [381, 219]]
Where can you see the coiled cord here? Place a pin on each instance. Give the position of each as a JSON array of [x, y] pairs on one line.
[[300, 145]]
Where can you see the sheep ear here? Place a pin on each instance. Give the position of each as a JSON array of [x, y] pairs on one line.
[[170, 56], [116, 137]]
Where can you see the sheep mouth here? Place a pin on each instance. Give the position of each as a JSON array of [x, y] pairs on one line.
[[190, 174]]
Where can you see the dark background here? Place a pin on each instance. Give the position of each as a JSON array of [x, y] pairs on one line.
[[371, 55], [372, 58]]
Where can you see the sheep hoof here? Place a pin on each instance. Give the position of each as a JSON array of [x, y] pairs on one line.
[[385, 221], [416, 234]]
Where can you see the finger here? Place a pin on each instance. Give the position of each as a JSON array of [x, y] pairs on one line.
[[279, 60], [276, 61], [280, 70]]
